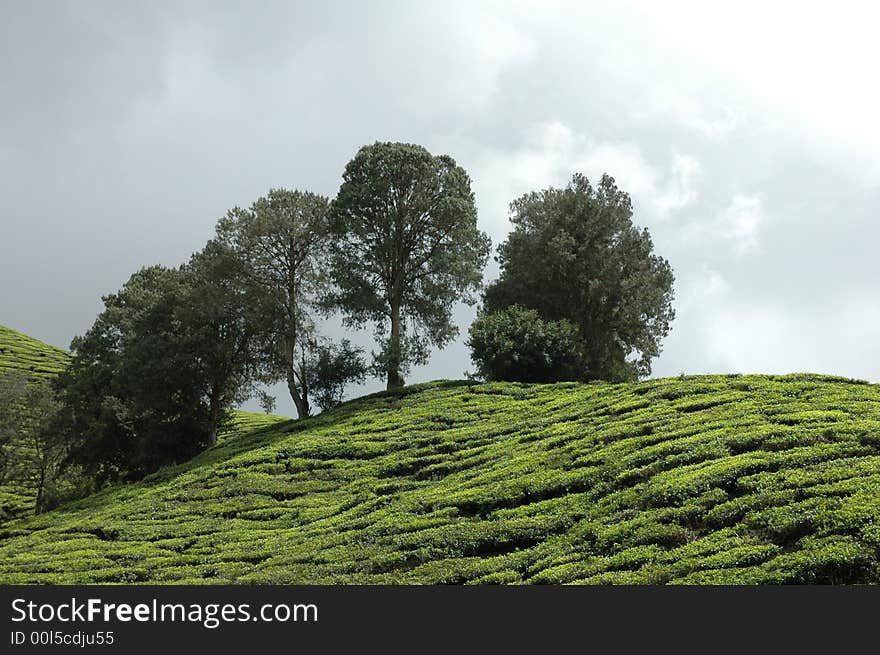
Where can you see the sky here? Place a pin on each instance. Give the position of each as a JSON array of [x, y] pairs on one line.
[[746, 134]]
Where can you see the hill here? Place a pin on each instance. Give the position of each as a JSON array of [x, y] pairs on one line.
[[717, 479], [19, 352]]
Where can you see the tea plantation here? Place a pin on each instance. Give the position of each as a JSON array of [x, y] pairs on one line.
[[19, 352], [698, 480]]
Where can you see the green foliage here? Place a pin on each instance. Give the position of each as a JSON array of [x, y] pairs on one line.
[[29, 475], [267, 401], [132, 395], [14, 419], [331, 369], [700, 480], [279, 245], [405, 248], [220, 330], [575, 254], [515, 345], [30, 449], [153, 379]]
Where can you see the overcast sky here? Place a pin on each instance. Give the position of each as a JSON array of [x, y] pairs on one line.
[[747, 136]]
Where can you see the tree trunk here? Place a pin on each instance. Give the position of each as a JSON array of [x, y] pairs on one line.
[[395, 381], [301, 402], [41, 487], [214, 418]]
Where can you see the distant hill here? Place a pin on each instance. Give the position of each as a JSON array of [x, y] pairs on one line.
[[20, 352], [715, 479]]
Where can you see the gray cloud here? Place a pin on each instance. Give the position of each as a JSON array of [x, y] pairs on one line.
[[127, 130]]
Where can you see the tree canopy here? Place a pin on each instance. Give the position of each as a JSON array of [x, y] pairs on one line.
[[575, 254], [280, 244], [154, 377], [516, 345], [131, 399], [405, 248]]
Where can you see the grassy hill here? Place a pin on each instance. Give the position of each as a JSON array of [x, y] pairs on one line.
[[19, 352], [718, 479]]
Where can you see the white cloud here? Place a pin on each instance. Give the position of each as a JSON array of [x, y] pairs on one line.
[[553, 152], [746, 135], [740, 221], [670, 104], [749, 338], [462, 78], [816, 61], [708, 284], [681, 189], [737, 225], [624, 161]]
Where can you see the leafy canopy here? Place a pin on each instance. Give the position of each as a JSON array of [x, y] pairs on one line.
[[575, 254], [516, 345], [152, 380], [330, 367], [405, 248], [279, 244]]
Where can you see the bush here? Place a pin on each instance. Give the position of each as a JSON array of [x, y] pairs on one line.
[[516, 345], [333, 367]]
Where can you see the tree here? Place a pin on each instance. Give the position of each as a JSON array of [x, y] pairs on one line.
[[42, 439], [514, 344], [152, 380], [30, 450], [280, 244], [333, 366], [575, 254], [13, 416], [131, 394], [323, 370], [405, 248], [267, 401], [221, 329]]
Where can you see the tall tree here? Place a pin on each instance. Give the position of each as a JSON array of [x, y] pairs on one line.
[[280, 243], [405, 248], [575, 254], [221, 330], [131, 395], [14, 417], [154, 377]]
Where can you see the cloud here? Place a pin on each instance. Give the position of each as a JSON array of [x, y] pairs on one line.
[[681, 190], [552, 152], [128, 130], [740, 221], [812, 61], [735, 227], [667, 103], [766, 339]]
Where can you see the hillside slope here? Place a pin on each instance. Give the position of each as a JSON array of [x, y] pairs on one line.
[[20, 352], [749, 479]]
